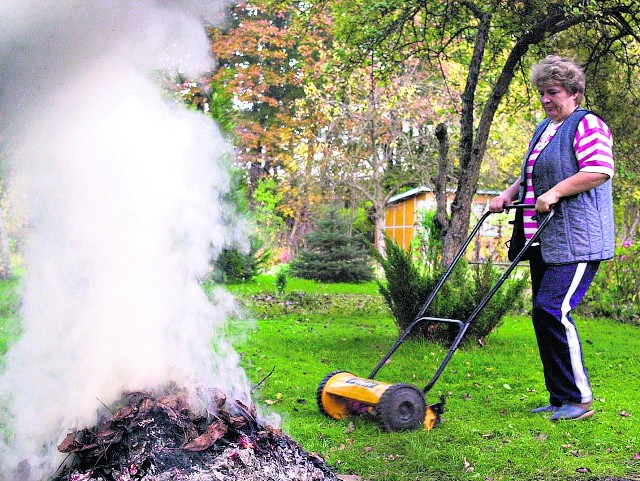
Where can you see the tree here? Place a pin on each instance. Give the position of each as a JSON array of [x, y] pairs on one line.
[[616, 96], [267, 58], [332, 254], [493, 37], [380, 139]]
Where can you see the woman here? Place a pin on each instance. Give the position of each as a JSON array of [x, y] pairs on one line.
[[569, 165]]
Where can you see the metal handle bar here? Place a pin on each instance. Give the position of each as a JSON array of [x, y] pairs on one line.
[[462, 326], [489, 295]]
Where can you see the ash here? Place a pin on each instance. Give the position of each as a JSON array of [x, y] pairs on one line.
[[159, 439]]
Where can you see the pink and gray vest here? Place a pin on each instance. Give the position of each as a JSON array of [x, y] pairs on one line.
[[582, 228]]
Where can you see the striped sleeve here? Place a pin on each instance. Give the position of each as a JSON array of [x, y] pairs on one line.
[[593, 145]]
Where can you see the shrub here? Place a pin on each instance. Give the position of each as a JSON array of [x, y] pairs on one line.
[[615, 292], [234, 266], [280, 282], [409, 284]]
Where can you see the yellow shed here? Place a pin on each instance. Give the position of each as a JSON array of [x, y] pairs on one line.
[[401, 220]]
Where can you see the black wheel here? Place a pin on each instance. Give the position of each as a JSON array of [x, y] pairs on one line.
[[320, 391], [401, 407]]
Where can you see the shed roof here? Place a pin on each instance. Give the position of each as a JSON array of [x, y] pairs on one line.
[[423, 188]]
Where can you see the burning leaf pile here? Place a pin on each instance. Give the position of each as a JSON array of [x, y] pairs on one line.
[[159, 439]]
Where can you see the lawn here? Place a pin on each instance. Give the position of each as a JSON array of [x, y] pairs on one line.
[[487, 431], [9, 306], [289, 342]]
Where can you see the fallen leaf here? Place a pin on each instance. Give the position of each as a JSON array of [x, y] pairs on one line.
[[269, 402], [506, 386], [124, 412], [237, 422], [350, 428], [575, 453], [174, 402], [467, 466], [367, 449], [348, 477], [145, 405], [583, 470], [70, 444], [636, 456], [625, 414], [214, 432]]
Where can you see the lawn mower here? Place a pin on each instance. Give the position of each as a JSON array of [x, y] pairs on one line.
[[400, 407]]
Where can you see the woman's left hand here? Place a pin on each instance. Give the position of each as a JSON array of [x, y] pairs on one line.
[[546, 200]]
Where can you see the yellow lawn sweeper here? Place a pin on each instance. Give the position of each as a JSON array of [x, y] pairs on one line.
[[399, 407]]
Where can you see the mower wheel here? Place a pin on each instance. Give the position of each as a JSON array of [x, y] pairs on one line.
[[338, 407], [402, 407]]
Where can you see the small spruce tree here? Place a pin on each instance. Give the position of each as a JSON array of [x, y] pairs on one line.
[[332, 254]]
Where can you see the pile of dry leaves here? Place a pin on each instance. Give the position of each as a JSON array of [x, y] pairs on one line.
[[159, 439]]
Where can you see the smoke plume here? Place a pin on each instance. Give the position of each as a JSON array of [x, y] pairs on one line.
[[122, 190]]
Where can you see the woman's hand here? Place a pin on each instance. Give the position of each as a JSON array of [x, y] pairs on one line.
[[546, 200], [497, 203]]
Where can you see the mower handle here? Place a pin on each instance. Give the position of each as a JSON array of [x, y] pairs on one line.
[[463, 326]]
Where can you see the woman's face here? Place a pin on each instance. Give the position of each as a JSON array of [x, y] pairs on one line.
[[557, 102]]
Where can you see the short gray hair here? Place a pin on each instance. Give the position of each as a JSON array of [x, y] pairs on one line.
[[555, 69]]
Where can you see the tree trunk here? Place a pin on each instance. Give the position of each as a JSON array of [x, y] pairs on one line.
[[468, 153], [440, 182], [380, 222]]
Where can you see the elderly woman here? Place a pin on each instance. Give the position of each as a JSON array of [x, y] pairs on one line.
[[569, 165]]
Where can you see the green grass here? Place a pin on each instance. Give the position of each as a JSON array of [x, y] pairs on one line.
[[9, 306], [265, 283], [487, 431]]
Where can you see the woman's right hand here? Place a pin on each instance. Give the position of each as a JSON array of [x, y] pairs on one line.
[[497, 203]]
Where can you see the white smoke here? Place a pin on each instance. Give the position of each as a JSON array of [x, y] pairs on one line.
[[122, 189]]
